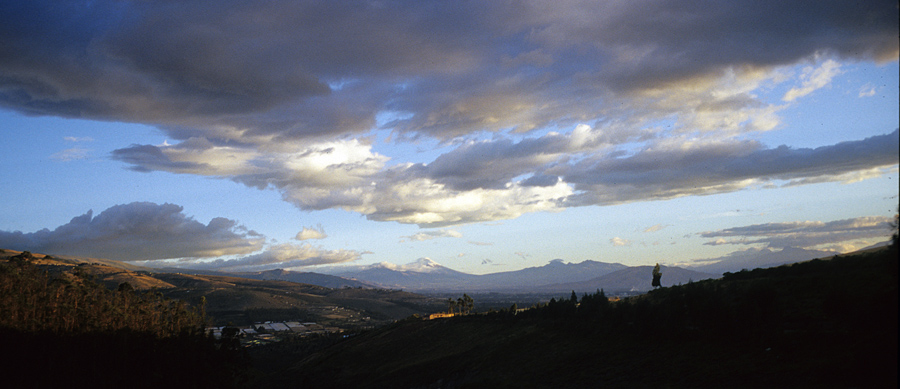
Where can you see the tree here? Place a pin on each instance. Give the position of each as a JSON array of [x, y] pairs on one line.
[[656, 276], [468, 303], [895, 226]]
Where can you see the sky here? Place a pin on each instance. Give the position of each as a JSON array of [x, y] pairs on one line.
[[486, 136]]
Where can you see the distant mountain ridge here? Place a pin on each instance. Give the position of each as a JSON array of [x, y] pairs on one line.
[[756, 258], [632, 279], [427, 275]]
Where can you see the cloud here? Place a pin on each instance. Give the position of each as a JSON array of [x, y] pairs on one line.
[[139, 231], [814, 78], [78, 139], [535, 106], [655, 227], [476, 243], [867, 90], [72, 154], [432, 234], [311, 233], [672, 169], [617, 241], [279, 256], [293, 69], [807, 234], [502, 179]]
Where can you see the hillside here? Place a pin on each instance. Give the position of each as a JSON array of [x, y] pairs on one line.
[[62, 328], [815, 324], [631, 279], [242, 301]]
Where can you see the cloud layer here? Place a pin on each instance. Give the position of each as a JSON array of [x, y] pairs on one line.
[[283, 256], [542, 105], [838, 235]]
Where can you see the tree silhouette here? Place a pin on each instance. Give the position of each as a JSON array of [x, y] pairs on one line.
[[468, 303], [656, 276], [895, 226]]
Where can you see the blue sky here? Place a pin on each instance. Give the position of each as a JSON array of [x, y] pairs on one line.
[[487, 137]]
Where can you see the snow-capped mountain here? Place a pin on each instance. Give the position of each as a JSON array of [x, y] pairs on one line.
[[423, 274], [428, 275]]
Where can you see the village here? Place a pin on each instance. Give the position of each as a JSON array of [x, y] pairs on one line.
[[269, 332]]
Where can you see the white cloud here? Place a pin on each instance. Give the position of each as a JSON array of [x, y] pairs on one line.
[[72, 154], [78, 139], [311, 233], [813, 79], [655, 227], [283, 256], [617, 241], [432, 234], [867, 90]]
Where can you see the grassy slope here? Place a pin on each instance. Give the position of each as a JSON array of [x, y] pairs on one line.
[[818, 324]]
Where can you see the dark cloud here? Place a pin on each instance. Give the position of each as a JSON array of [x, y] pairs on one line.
[[271, 94], [295, 69], [716, 167], [138, 231], [147, 158]]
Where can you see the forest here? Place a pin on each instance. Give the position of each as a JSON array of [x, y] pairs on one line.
[[56, 330]]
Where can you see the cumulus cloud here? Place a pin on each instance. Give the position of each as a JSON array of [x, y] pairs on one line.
[[837, 234], [311, 233], [139, 231], [502, 179]]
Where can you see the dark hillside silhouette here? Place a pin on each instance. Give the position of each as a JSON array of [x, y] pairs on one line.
[[823, 323]]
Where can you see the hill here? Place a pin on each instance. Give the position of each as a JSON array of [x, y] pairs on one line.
[[61, 328], [815, 324], [325, 280], [631, 279], [243, 301]]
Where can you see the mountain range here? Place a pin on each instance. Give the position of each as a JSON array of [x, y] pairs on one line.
[[426, 275]]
